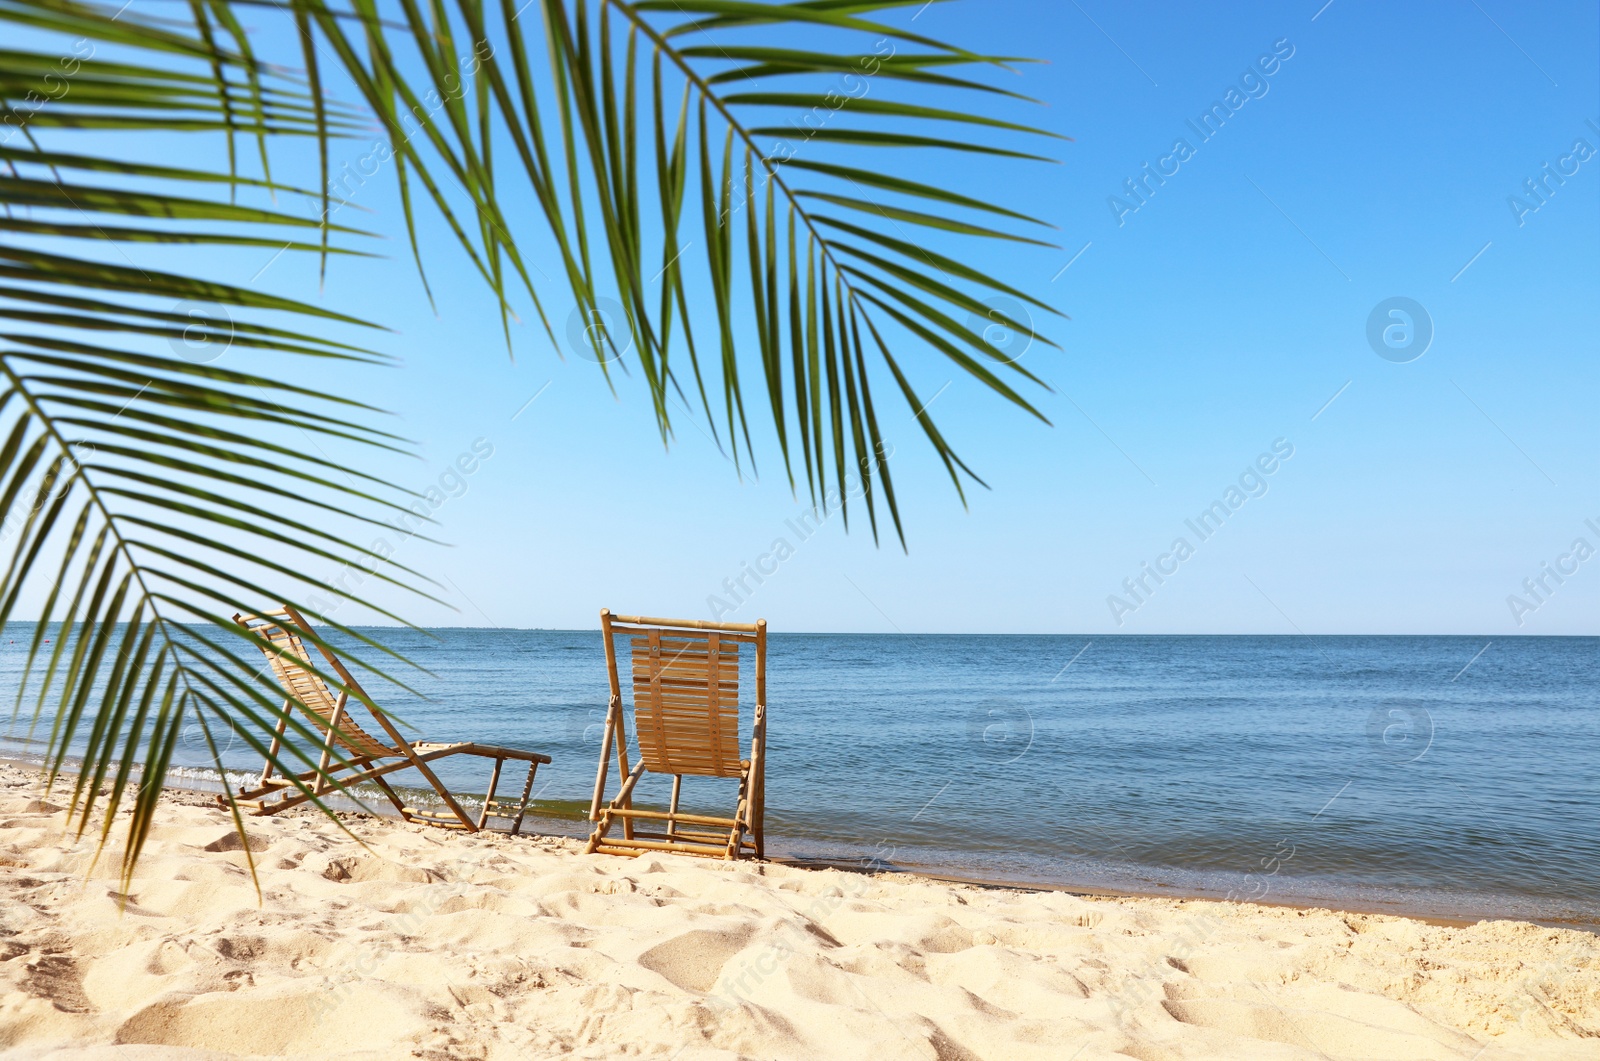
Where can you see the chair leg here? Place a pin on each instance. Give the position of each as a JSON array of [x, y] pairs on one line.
[[672, 822], [741, 814], [522, 806], [758, 808], [623, 801], [488, 800]]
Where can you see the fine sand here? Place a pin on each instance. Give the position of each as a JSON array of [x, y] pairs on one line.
[[436, 945]]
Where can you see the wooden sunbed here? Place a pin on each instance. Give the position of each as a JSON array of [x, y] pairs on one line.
[[350, 754], [686, 713]]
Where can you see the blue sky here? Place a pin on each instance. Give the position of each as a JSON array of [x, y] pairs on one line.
[[1226, 316]]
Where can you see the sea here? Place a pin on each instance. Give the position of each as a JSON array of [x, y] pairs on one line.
[[1450, 777]]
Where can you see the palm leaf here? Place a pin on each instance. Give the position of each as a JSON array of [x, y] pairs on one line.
[[146, 495]]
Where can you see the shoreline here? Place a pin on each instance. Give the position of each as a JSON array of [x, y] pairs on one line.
[[578, 829], [1089, 891]]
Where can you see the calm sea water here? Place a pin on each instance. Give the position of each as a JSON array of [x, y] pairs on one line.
[[1445, 775]]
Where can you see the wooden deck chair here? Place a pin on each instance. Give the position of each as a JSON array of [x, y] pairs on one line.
[[686, 722], [361, 756]]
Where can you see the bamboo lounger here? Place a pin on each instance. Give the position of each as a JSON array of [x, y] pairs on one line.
[[686, 721], [360, 755]]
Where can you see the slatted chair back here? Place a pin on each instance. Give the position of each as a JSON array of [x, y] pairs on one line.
[[306, 689], [685, 684], [686, 701]]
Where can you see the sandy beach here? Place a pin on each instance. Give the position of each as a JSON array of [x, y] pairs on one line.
[[418, 943]]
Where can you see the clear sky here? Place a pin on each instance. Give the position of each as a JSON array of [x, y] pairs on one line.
[[1218, 326]]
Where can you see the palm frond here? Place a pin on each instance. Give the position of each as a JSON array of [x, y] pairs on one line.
[[145, 495], [665, 87]]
